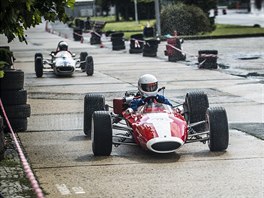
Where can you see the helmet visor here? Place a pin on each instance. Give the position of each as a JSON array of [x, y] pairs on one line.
[[150, 87]]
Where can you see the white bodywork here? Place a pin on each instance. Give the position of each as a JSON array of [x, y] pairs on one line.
[[64, 64]]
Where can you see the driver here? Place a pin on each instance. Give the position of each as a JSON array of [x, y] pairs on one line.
[[62, 46], [147, 87]]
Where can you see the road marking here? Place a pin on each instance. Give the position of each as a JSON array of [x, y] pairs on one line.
[[63, 189], [78, 190]]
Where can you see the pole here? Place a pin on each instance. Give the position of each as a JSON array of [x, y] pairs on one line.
[[136, 11], [157, 13]]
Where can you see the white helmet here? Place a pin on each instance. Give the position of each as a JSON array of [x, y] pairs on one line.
[[148, 85], [62, 46]]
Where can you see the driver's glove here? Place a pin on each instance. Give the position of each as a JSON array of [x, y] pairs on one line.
[[160, 98]]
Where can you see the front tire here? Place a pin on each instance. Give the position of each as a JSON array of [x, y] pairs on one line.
[[39, 66], [83, 56], [195, 106], [102, 133], [92, 103], [217, 125], [89, 66]]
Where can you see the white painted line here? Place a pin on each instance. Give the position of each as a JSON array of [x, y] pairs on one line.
[[78, 190], [63, 189]]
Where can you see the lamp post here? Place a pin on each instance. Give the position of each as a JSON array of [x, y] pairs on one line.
[[157, 13], [136, 11]]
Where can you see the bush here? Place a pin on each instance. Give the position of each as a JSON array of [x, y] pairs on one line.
[[185, 19]]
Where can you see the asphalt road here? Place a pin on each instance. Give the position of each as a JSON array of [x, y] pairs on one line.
[[60, 154]]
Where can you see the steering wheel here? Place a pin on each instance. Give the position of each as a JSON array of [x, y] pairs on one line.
[[149, 98]]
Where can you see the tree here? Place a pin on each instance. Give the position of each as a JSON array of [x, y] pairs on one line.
[[17, 16]]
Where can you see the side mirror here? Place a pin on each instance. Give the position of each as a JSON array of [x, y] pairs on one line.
[[73, 54]]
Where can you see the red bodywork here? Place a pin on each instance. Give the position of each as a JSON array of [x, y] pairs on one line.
[[156, 127]]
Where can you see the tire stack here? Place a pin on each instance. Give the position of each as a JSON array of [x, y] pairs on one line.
[[207, 59], [150, 47], [2, 140], [136, 44], [172, 53], [118, 42], [14, 99], [77, 34], [95, 38]]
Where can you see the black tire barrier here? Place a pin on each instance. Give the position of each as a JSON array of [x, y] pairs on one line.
[[150, 48], [77, 34], [18, 111], [207, 59], [117, 40], [172, 53], [136, 44], [95, 38], [148, 32], [81, 24], [2, 140], [87, 25], [14, 97], [19, 124], [13, 80]]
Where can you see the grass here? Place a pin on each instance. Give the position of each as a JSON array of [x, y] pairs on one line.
[[235, 30], [131, 27]]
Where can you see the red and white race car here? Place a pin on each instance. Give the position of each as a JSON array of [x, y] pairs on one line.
[[154, 126]]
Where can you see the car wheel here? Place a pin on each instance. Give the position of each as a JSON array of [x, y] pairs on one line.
[[83, 56], [217, 124], [92, 103], [195, 106], [38, 55], [89, 66], [101, 133], [39, 66]]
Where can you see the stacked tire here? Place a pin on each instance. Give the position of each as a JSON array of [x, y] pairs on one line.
[[207, 59], [14, 99], [2, 140], [95, 38], [136, 44], [172, 53], [118, 42], [77, 34], [150, 47]]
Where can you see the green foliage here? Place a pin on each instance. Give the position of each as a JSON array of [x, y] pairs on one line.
[[185, 19], [17, 15]]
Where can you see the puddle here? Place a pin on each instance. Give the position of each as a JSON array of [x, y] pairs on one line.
[[223, 66]]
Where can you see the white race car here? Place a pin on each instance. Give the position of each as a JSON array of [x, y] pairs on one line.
[[63, 63]]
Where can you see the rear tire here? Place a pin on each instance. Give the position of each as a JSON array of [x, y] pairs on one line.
[[102, 133], [39, 66], [89, 66], [195, 106], [92, 103], [217, 125]]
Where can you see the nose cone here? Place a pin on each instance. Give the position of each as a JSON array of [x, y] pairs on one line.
[[164, 145]]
